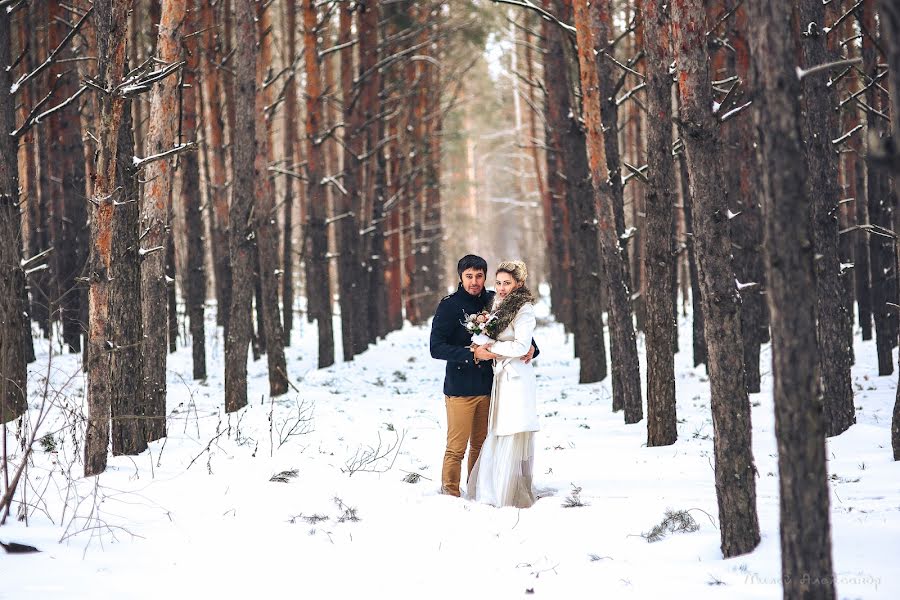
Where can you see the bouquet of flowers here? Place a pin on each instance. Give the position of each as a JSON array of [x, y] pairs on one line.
[[479, 325]]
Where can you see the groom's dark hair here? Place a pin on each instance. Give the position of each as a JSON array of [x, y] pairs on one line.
[[470, 261]]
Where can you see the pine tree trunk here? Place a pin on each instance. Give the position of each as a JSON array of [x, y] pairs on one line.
[[154, 220], [626, 374], [347, 206], [880, 204], [698, 335], [111, 24], [832, 315], [799, 428], [72, 243], [561, 284], [658, 251], [735, 471], [290, 132], [317, 285], [194, 277], [171, 295], [392, 262], [890, 24], [587, 312], [243, 152], [371, 317], [43, 285], [213, 122], [746, 228], [13, 376], [125, 323], [265, 218]]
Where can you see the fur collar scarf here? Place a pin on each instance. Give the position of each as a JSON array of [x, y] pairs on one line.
[[505, 310]]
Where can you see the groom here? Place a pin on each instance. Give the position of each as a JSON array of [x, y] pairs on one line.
[[467, 383]]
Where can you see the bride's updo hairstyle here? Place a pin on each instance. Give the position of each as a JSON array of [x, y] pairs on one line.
[[516, 269]]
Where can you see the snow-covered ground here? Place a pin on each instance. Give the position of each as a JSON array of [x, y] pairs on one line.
[[198, 517]]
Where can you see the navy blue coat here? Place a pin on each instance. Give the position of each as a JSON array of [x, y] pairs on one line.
[[450, 341]]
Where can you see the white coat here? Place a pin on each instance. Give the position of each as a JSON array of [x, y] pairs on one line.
[[514, 393]]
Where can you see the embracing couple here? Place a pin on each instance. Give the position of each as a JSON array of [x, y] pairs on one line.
[[489, 387]]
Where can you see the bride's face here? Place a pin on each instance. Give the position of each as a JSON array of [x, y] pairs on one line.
[[505, 284]]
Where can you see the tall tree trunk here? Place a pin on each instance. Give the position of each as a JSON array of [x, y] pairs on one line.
[[347, 206], [744, 200], [587, 312], [290, 132], [154, 219], [111, 24], [243, 152], [71, 245], [698, 335], [194, 274], [882, 269], [125, 323], [658, 255], [214, 139], [832, 315], [890, 23], [555, 205], [805, 530], [317, 282], [371, 306], [13, 376], [171, 295], [735, 471], [626, 374], [265, 218]]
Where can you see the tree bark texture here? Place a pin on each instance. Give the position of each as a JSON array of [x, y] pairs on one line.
[[626, 374], [266, 226], [790, 250], [742, 180], [348, 205], [372, 318], [194, 276], [882, 269], [317, 282], [890, 23], [658, 251], [832, 313], [214, 138], [562, 79], [290, 128], [126, 384], [243, 152], [13, 375], [110, 21], [158, 175], [735, 471], [70, 203], [698, 336]]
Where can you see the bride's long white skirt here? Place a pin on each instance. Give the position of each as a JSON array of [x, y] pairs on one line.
[[502, 475]]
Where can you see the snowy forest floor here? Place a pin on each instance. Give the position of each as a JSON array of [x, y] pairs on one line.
[[198, 516]]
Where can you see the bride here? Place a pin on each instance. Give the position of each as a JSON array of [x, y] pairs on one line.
[[502, 476]]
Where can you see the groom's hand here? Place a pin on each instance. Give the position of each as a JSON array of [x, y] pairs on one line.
[[527, 358]]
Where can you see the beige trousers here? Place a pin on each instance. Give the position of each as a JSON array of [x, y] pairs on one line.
[[467, 424]]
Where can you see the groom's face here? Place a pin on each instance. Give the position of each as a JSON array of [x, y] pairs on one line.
[[473, 281]]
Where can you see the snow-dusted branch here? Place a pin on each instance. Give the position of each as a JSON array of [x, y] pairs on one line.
[[34, 117], [140, 163], [532, 6], [801, 73], [52, 56]]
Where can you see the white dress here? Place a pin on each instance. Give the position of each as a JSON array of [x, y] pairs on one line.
[[502, 476]]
